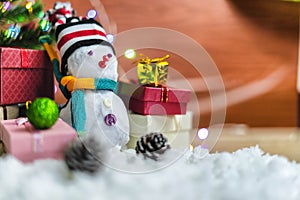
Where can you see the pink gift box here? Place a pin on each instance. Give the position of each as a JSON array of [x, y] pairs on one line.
[[28, 144]]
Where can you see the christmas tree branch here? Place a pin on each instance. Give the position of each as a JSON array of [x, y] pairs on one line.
[[21, 25], [20, 14]]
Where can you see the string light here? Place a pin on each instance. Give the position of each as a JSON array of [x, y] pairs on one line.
[[28, 6], [12, 32], [5, 6], [45, 25]]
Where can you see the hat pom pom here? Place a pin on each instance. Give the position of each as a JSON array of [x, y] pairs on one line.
[[59, 13]]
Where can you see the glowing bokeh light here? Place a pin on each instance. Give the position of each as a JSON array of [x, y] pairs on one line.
[[91, 14], [110, 38], [203, 133], [130, 54]]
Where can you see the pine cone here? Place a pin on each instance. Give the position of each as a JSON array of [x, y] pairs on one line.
[[83, 154], [152, 145]]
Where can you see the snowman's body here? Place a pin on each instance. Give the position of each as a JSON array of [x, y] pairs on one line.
[[99, 62]]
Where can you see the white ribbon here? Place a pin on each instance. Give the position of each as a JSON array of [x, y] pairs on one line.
[[37, 136]]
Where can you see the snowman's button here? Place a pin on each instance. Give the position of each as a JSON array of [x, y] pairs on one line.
[[107, 103], [110, 119], [90, 53]]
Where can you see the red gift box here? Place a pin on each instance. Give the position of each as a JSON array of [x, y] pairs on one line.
[[148, 100], [25, 74], [28, 144]]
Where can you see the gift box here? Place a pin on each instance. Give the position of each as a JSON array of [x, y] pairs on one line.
[[148, 100], [176, 128], [152, 71], [12, 111], [28, 144], [24, 75]]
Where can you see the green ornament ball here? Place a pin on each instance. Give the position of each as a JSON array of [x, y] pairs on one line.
[[42, 113]]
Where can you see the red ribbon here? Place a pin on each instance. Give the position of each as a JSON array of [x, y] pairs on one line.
[[24, 58], [164, 91], [164, 94]]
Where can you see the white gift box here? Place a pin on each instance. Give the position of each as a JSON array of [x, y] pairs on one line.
[[175, 127], [11, 111]]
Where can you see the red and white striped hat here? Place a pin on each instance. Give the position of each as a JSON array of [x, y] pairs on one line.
[[76, 32]]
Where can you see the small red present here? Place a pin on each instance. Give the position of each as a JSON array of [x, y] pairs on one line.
[[28, 144], [147, 100], [25, 74]]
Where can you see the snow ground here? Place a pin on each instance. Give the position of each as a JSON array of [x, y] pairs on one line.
[[245, 174]]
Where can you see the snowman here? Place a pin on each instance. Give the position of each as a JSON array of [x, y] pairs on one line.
[[90, 72]]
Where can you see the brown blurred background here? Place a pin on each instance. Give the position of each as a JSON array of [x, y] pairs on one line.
[[254, 43]]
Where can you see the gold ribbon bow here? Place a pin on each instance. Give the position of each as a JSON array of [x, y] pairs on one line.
[[146, 60]]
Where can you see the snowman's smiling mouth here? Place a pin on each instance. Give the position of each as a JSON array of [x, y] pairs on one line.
[[105, 59]]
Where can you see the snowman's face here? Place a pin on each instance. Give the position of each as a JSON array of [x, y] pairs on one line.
[[96, 61]]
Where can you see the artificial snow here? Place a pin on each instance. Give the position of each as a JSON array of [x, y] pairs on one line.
[[245, 174]]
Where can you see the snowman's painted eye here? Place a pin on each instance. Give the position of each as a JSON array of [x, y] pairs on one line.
[[90, 53]]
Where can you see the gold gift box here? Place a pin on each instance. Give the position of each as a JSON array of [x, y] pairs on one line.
[[153, 71]]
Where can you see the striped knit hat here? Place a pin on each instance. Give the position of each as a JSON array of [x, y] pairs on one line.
[[76, 32]]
